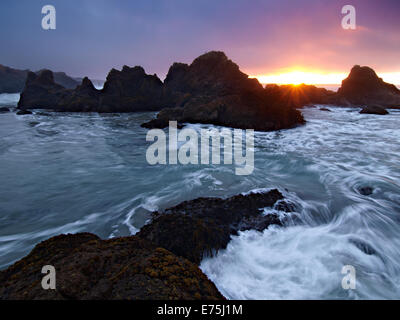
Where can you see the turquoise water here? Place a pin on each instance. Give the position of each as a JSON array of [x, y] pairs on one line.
[[67, 173]]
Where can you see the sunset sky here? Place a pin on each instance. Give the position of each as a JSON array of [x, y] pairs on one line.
[[276, 41]]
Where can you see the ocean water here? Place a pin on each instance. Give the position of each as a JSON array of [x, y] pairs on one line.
[[68, 173]]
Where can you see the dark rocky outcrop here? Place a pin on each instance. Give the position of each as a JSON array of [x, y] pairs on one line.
[[364, 87], [298, 96], [199, 227], [41, 92], [211, 90], [131, 90], [4, 109], [374, 110], [160, 262], [127, 268], [63, 79], [84, 98], [209, 76], [128, 90], [231, 111], [361, 87], [13, 80]]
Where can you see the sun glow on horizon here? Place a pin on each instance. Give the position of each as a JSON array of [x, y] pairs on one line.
[[297, 77]]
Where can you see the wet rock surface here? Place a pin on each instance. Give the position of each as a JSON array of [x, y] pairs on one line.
[[160, 262], [202, 226], [121, 268]]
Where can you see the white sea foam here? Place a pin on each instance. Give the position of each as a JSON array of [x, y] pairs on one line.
[[336, 225], [9, 99]]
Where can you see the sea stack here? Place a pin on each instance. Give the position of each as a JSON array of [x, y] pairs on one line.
[[213, 90], [364, 87]]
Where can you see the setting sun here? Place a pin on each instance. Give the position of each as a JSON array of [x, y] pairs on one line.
[[297, 77]]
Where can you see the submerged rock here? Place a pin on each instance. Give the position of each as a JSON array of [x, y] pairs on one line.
[[374, 110], [126, 268], [363, 246], [4, 109], [199, 227], [23, 112], [366, 191], [325, 109]]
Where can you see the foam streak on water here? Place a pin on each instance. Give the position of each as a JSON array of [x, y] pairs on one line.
[[67, 173], [325, 163]]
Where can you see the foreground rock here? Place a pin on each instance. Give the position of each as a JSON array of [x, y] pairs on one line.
[[374, 110], [90, 268], [4, 109], [160, 262], [202, 226], [364, 87]]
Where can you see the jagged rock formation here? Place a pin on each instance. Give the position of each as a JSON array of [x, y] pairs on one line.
[[160, 262], [213, 90], [13, 80], [210, 90], [364, 87], [128, 90], [41, 91], [84, 98]]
